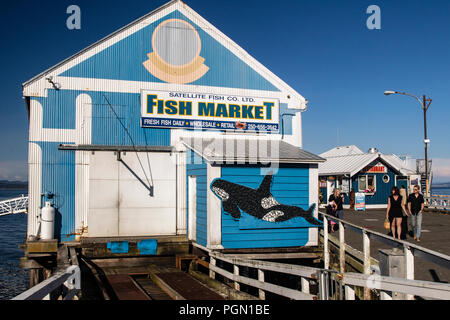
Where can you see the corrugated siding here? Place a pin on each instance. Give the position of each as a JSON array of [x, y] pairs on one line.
[[58, 177], [59, 112], [196, 166], [290, 186], [123, 61]]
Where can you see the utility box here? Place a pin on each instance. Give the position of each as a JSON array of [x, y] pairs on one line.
[[392, 264]]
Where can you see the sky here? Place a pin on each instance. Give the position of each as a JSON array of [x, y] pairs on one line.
[[321, 48]]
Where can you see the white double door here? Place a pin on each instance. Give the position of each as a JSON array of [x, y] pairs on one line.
[[120, 205]]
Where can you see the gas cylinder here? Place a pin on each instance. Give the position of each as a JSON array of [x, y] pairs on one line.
[[47, 222]]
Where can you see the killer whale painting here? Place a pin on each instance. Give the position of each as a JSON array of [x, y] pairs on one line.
[[258, 203]]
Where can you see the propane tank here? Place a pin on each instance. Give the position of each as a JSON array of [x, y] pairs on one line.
[[47, 222]]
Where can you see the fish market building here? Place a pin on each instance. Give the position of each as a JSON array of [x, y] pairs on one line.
[[372, 173], [151, 131]]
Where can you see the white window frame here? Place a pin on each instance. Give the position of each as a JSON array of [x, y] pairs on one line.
[[367, 184]]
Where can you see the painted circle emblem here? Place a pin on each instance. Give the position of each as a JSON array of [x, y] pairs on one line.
[[178, 34]]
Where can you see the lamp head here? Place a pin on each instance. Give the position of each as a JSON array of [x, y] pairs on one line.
[[387, 93]]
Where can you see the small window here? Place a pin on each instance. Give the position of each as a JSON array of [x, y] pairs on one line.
[[367, 184], [386, 178]]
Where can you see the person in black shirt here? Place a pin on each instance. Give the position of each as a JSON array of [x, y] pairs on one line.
[[394, 212], [415, 207], [338, 198]]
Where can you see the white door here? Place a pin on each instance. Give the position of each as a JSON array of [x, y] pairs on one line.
[[120, 205]]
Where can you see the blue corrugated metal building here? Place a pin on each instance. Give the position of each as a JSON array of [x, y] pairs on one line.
[[120, 140]]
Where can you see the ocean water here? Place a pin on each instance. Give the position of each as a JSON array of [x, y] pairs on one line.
[[13, 279], [440, 191]]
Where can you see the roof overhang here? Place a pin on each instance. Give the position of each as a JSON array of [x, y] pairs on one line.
[[249, 151]]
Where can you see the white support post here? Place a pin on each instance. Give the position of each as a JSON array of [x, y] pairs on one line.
[[385, 296], [236, 273], [262, 294], [341, 248], [409, 267], [366, 253], [349, 292], [212, 262], [326, 252], [305, 285]]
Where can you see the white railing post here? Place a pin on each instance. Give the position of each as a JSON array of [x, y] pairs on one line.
[[349, 292], [409, 267], [236, 273], [212, 262], [366, 254], [262, 294], [341, 248], [385, 296], [326, 251], [305, 285]]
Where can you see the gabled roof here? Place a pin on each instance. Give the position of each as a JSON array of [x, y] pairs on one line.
[[350, 160], [350, 164], [342, 151], [249, 151], [68, 68]]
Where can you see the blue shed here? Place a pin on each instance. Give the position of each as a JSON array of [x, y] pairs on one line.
[[239, 197]]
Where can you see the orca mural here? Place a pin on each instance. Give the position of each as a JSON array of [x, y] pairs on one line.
[[259, 203]]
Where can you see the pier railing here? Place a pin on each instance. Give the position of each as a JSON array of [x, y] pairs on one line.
[[327, 284], [438, 202], [410, 252], [14, 206], [66, 285], [307, 276]]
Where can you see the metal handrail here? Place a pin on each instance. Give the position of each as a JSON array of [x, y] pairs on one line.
[[438, 202], [14, 206], [70, 279]]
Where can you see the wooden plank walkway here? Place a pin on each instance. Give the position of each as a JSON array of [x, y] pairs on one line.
[[125, 288], [187, 287], [143, 280]]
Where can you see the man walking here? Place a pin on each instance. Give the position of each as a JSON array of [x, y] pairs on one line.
[[416, 204], [404, 195]]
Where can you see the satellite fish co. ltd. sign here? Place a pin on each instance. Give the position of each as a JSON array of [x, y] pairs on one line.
[[208, 111]]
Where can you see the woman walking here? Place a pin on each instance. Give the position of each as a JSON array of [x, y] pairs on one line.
[[394, 212], [336, 200]]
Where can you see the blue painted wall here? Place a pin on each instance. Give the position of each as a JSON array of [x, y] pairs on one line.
[[58, 166], [123, 61], [290, 186], [196, 166], [58, 177]]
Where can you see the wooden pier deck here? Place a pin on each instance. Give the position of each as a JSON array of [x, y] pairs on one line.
[[148, 279]]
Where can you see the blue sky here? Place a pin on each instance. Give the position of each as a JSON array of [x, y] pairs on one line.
[[322, 49]]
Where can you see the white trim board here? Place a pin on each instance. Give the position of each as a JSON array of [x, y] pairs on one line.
[[38, 85]]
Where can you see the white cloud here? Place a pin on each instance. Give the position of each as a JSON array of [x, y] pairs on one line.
[[441, 169], [14, 170]]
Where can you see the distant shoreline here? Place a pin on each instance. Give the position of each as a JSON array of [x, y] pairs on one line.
[[13, 188]]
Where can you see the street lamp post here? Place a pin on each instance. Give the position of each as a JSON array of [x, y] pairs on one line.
[[425, 103]]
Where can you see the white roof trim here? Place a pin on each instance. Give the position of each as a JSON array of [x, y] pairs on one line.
[[38, 84], [360, 165]]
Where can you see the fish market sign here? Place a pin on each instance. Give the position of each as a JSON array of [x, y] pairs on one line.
[[208, 111]]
